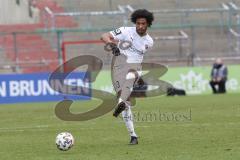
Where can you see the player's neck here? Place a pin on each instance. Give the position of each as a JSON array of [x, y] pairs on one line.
[[142, 35]]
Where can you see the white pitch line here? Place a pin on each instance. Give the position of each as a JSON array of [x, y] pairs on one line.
[[22, 128], [13, 130]]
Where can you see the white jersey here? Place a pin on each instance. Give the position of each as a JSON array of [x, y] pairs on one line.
[[139, 46]]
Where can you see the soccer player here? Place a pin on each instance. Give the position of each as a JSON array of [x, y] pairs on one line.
[[128, 45]]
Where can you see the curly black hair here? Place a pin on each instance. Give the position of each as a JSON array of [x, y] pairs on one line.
[[142, 13]]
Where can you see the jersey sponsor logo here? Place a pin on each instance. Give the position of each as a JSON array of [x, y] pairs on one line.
[[117, 32]]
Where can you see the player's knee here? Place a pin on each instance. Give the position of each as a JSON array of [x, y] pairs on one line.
[[130, 75]]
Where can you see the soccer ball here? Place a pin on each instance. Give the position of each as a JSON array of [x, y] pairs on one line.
[[64, 141]]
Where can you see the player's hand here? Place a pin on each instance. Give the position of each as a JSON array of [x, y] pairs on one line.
[[115, 50]]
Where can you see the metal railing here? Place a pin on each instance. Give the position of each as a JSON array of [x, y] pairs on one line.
[[225, 8], [50, 16], [226, 18], [186, 43]]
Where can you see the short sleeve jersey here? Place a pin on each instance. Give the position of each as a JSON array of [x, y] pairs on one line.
[[139, 44]]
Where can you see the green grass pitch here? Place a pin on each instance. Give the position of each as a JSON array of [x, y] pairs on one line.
[[170, 128]]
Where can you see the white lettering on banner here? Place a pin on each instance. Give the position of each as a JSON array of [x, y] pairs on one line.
[[71, 86], [25, 88], [74, 86], [57, 85], [86, 85], [47, 89], [80, 83], [35, 91], [3, 90], [14, 88], [42, 87]]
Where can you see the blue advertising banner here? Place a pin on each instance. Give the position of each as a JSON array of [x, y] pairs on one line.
[[17, 88]]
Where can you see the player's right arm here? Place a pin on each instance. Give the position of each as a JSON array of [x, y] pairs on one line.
[[111, 44], [114, 36], [107, 38], [111, 39]]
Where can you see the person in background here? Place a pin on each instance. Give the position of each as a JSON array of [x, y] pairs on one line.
[[219, 75]]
